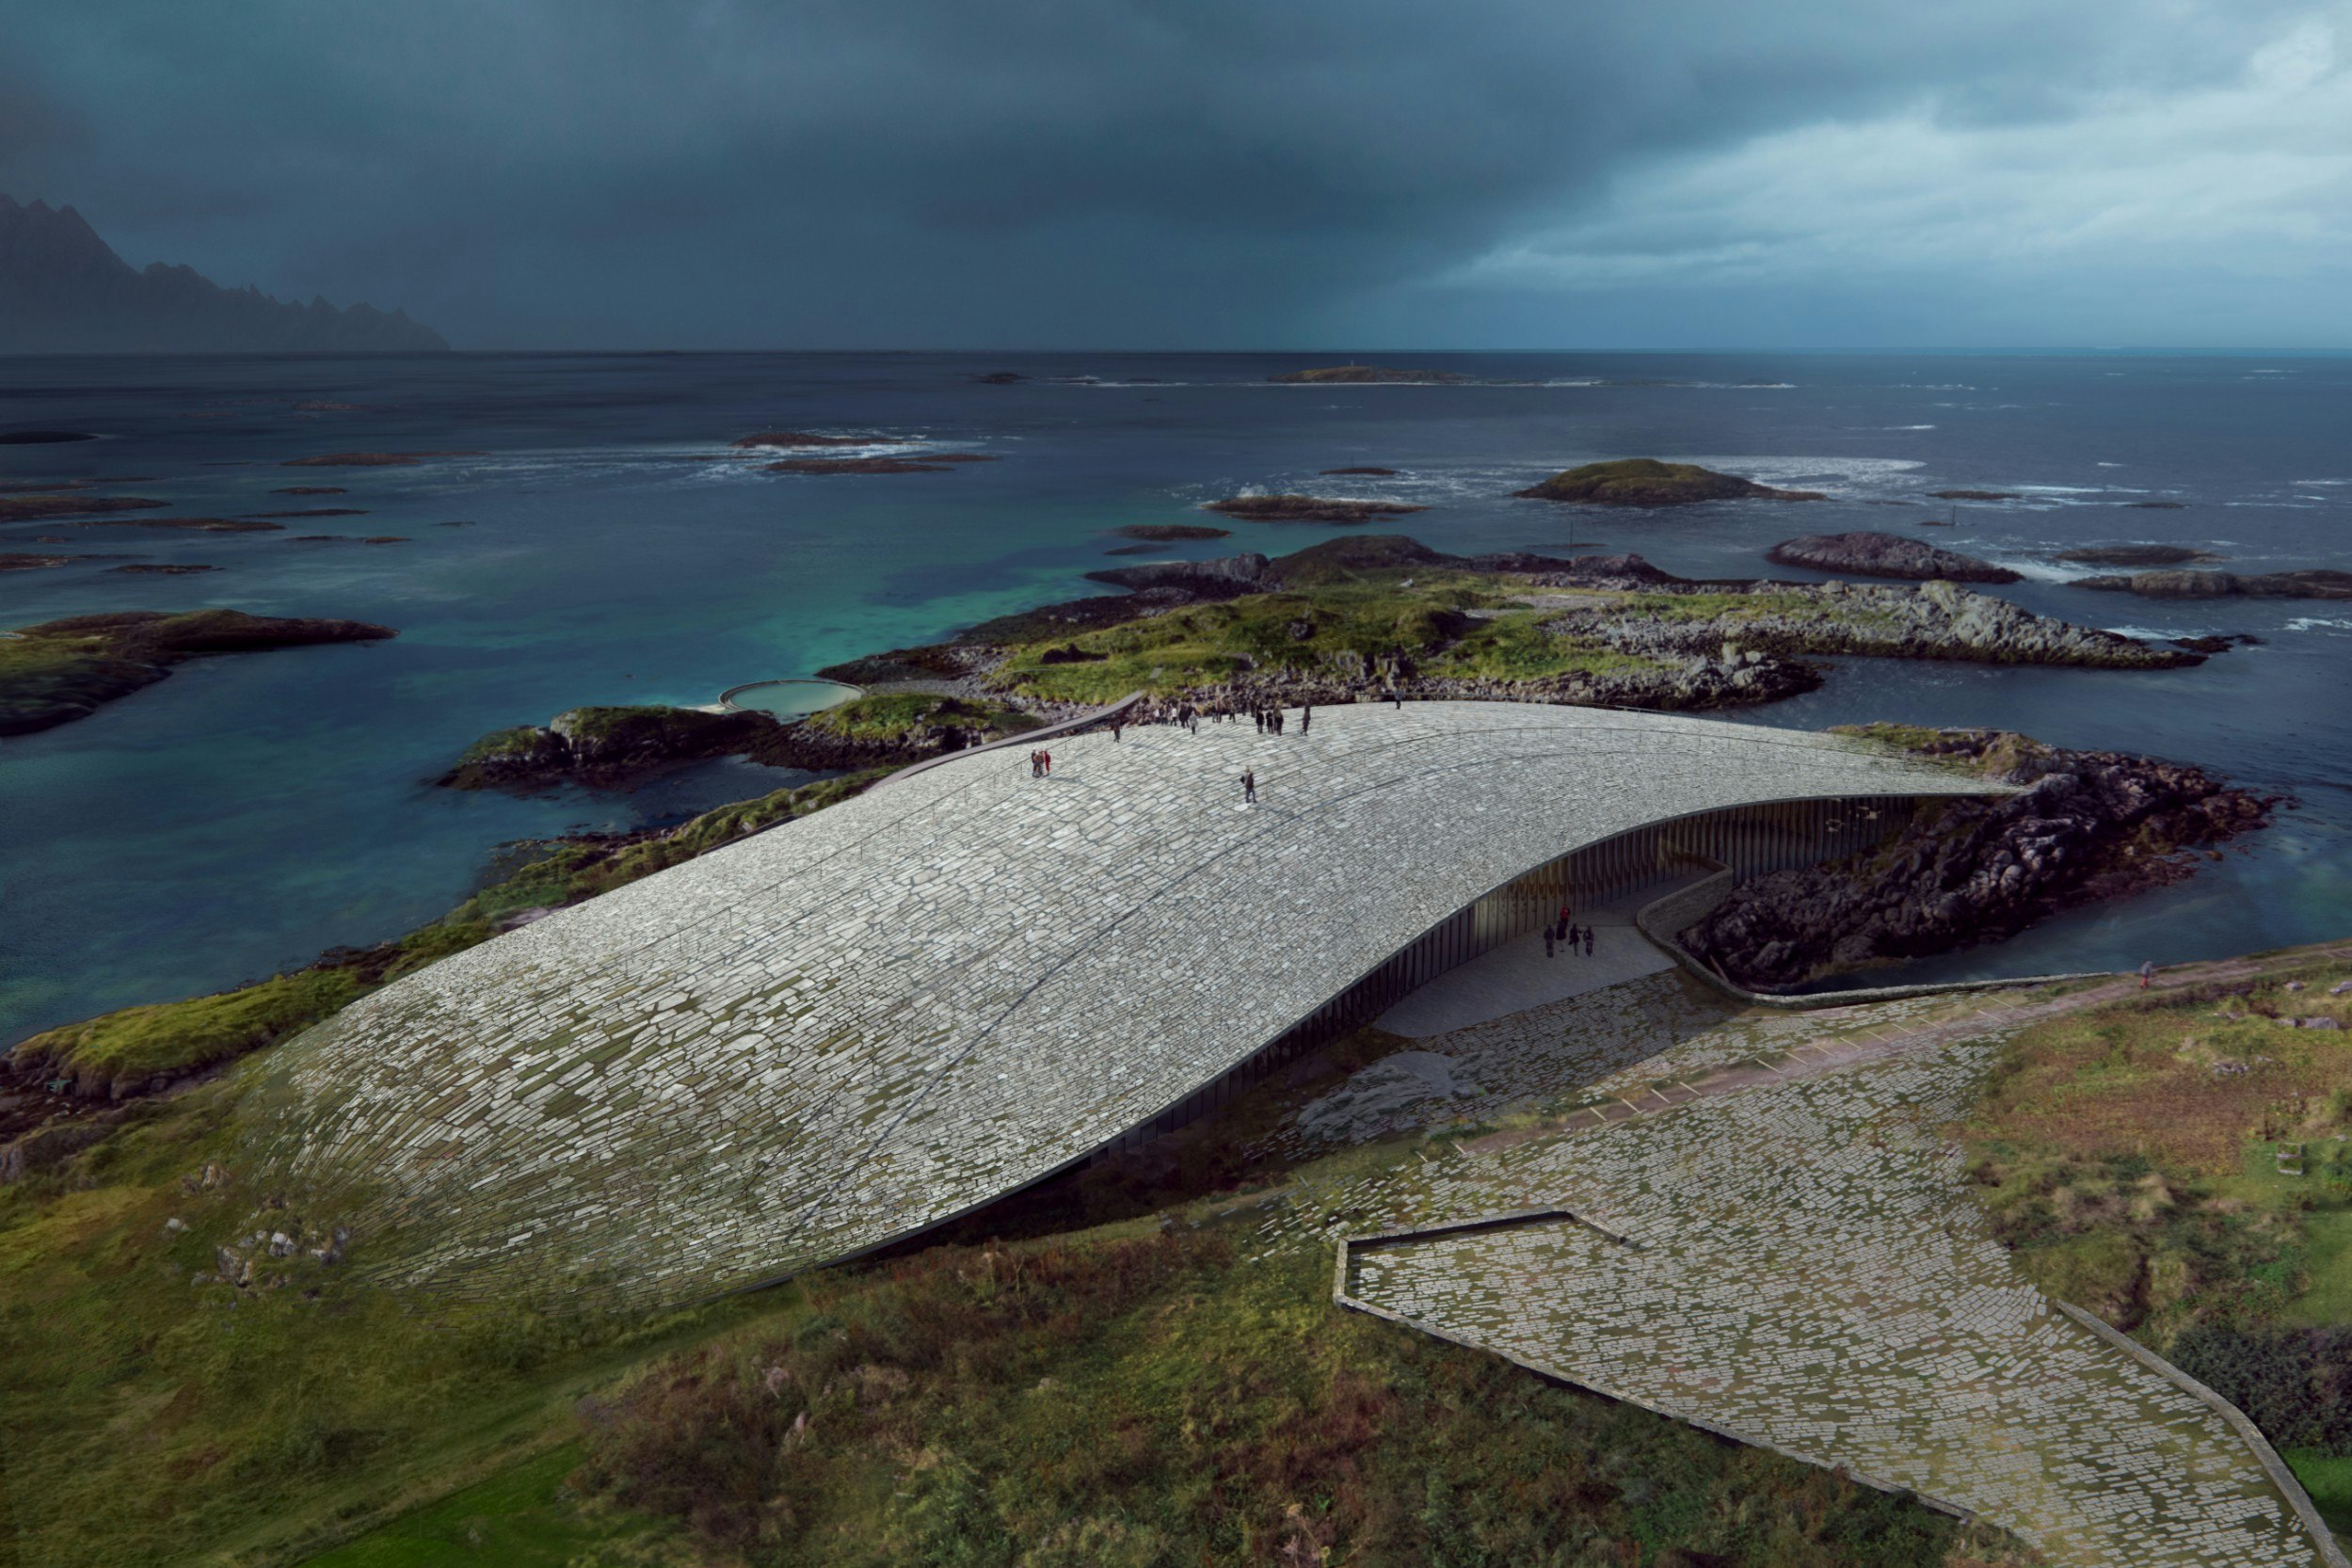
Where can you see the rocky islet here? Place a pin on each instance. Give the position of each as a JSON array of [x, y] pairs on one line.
[[61, 670], [1645, 482], [1870, 555]]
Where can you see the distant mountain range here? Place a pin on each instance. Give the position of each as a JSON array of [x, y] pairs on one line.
[[64, 291]]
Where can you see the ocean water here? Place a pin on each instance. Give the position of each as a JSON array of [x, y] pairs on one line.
[[252, 810]]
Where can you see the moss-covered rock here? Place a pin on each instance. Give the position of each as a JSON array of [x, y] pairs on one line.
[[1647, 482], [605, 745]]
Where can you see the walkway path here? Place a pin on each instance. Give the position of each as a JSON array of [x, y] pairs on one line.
[[1798, 1263]]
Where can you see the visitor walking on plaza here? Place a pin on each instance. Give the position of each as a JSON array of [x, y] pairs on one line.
[[1037, 764], [1249, 786], [1114, 732], [1573, 938], [1261, 716], [1307, 716], [1588, 942], [1047, 758], [1547, 941]]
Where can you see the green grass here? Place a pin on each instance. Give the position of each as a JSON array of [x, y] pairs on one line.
[[2329, 1478], [1338, 629], [1513, 645], [519, 1518], [889, 716], [2327, 1296]]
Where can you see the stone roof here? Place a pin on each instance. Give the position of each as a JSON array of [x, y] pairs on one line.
[[859, 1024]]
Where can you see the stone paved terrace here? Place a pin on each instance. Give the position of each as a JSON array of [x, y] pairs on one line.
[[1800, 1265], [858, 1025]]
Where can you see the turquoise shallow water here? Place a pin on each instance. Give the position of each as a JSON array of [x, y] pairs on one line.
[[250, 811]]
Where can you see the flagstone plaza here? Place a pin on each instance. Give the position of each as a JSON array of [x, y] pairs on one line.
[[1794, 1261], [858, 1025]]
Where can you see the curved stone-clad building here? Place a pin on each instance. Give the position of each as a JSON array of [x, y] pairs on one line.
[[858, 1025]]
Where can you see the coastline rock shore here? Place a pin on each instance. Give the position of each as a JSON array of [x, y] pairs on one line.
[[2083, 826], [1869, 555]]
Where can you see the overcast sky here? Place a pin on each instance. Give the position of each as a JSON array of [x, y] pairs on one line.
[[1221, 173]]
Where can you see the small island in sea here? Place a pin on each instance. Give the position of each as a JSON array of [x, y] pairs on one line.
[[1648, 482], [61, 670]]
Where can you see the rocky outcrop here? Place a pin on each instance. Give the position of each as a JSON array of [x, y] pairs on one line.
[[63, 670], [1360, 376], [1168, 532], [2083, 826], [1647, 482], [1936, 620], [2135, 555], [2227, 584], [1248, 571], [1307, 508], [604, 746], [67, 293], [1972, 495], [1870, 555], [1367, 471]]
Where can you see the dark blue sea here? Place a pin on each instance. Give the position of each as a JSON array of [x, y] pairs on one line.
[[252, 810]]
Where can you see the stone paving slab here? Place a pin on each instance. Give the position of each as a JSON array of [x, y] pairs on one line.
[[851, 1027], [1801, 1266]]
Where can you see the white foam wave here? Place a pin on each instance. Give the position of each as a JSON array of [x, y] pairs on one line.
[[2108, 465], [1835, 476], [2330, 484], [2318, 623]]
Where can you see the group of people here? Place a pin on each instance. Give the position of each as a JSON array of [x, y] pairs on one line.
[[1270, 721], [1564, 931], [1041, 765]]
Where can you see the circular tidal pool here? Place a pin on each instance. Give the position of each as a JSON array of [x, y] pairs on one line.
[[790, 700]]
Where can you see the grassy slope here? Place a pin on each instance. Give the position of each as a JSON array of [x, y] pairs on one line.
[[2134, 1171]]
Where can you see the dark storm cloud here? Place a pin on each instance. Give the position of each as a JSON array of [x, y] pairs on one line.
[[589, 171]]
